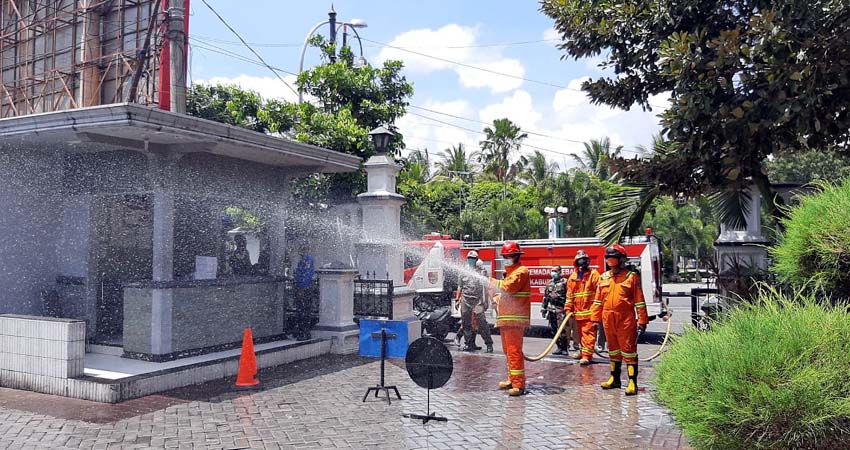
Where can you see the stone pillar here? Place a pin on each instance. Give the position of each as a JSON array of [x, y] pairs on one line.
[[161, 172], [746, 246], [382, 250], [336, 308], [277, 232]]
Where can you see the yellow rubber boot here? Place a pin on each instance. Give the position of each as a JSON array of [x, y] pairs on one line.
[[631, 389], [505, 384], [614, 381], [516, 392]]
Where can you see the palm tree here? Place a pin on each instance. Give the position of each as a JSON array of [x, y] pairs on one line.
[[500, 142], [596, 157], [455, 159], [536, 170]]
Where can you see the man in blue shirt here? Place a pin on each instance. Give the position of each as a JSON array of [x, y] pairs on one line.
[[304, 273]]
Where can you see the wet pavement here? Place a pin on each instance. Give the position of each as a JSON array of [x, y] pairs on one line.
[[317, 404]]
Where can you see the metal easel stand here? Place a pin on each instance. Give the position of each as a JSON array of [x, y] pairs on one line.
[[383, 336], [429, 415]]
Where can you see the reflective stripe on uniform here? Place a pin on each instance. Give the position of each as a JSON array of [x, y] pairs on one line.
[[597, 302], [614, 352], [582, 313], [583, 294], [516, 372], [629, 355], [513, 318], [640, 305], [587, 350], [522, 294]]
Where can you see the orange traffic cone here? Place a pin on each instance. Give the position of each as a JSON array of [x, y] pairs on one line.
[[247, 374]]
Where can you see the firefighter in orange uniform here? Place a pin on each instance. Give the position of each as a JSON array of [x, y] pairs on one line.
[[581, 290], [618, 295], [513, 315]]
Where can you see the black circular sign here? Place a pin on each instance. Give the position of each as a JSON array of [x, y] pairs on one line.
[[429, 363]]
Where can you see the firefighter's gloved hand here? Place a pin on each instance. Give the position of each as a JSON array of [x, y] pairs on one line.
[[543, 312], [642, 328], [597, 326]]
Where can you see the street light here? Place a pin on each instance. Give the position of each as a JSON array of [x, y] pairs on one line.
[[381, 139], [556, 224], [334, 26]]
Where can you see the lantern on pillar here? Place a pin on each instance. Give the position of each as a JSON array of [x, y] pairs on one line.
[[381, 139]]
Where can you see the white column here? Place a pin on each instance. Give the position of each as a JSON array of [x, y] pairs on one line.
[[277, 231], [163, 235], [336, 310], [161, 172]]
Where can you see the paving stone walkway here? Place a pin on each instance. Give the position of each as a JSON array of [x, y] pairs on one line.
[[317, 404]]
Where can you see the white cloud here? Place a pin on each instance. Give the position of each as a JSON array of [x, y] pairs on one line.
[[421, 133], [497, 83], [519, 108], [433, 43], [550, 34], [436, 50], [570, 97], [574, 120]]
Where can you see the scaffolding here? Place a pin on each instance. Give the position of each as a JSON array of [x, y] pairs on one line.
[[65, 54]]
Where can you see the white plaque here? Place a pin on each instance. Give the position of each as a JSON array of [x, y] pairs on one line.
[[206, 267]]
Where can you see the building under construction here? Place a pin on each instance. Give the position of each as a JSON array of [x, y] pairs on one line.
[[65, 54]]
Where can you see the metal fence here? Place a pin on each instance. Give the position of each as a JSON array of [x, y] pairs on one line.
[[373, 298]]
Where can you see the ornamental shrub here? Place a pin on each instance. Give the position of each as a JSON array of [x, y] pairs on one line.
[[814, 250], [772, 375]]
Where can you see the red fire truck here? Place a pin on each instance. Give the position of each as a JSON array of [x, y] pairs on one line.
[[539, 255], [425, 263]]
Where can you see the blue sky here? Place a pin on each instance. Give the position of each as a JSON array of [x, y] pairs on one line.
[[459, 31]]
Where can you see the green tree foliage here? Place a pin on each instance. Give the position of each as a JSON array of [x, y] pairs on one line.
[[347, 103], [501, 141], [596, 157], [814, 250], [747, 79], [805, 167], [236, 106], [536, 170], [686, 231], [455, 159]]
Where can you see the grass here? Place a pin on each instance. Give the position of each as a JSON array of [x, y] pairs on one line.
[[814, 250], [771, 375]]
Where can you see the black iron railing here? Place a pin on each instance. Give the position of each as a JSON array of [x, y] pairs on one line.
[[373, 298]]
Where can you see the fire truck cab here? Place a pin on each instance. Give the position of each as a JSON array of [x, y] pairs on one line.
[[425, 264]]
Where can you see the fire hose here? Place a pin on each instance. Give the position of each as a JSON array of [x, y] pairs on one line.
[[566, 320], [663, 343], [554, 341]]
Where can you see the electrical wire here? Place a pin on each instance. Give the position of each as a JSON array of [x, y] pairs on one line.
[[469, 66], [202, 44], [524, 144], [484, 69], [248, 46], [453, 47]]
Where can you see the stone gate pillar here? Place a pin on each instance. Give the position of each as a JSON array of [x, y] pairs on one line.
[[381, 252]]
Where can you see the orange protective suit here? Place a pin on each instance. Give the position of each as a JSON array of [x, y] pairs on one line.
[[513, 316], [618, 295], [580, 296]]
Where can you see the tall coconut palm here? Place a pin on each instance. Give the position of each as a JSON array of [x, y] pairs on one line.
[[454, 160], [500, 142], [536, 171], [596, 156]]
